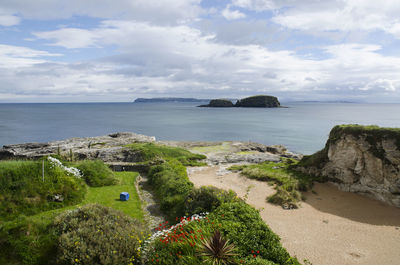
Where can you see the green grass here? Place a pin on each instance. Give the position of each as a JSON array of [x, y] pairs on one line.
[[109, 195], [224, 147], [151, 152], [288, 182]]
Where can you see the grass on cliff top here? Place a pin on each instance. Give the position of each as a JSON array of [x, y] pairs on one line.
[[151, 151], [288, 183]]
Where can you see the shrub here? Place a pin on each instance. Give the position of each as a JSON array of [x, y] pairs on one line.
[[206, 199], [171, 185], [217, 250], [257, 261], [23, 191], [243, 226], [26, 241], [238, 222], [96, 173], [95, 234]]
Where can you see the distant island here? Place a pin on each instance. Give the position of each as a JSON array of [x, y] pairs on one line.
[[259, 101], [158, 100]]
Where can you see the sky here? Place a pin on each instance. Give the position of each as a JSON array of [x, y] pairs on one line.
[[116, 51]]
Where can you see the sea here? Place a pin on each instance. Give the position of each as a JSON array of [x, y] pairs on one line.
[[303, 127]]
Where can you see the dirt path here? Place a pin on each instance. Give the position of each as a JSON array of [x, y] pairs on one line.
[[331, 227]]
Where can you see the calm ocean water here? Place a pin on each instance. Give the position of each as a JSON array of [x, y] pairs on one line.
[[303, 127]]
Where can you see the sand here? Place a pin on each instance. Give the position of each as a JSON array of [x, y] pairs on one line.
[[330, 227]]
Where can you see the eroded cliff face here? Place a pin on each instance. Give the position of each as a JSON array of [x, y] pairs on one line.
[[360, 159]]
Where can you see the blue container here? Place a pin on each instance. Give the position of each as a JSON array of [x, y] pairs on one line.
[[124, 196]]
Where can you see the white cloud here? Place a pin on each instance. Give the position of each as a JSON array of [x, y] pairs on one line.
[[350, 15], [157, 11], [232, 14], [181, 60], [69, 37], [256, 5], [8, 20], [328, 15]]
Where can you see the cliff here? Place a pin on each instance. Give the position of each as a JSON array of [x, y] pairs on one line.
[[361, 159], [219, 103], [261, 101]]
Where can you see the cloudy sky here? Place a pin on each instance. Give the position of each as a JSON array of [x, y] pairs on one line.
[[116, 51]]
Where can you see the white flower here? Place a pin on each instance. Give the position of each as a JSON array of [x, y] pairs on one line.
[[70, 170]]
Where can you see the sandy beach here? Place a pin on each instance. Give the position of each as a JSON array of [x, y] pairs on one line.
[[330, 228]]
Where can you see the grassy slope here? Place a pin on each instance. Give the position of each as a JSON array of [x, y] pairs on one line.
[[288, 183]]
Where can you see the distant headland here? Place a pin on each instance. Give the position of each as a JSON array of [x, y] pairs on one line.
[[158, 100], [259, 101]]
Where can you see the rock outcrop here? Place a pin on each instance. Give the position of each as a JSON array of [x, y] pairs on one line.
[[361, 159], [219, 103], [261, 101], [109, 148]]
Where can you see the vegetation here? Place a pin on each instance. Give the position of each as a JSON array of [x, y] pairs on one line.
[[171, 185], [288, 182], [153, 152], [25, 188], [109, 195], [95, 234], [261, 101], [207, 199], [31, 240], [237, 221], [96, 173], [217, 250]]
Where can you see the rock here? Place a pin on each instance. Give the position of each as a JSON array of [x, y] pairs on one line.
[[109, 148], [261, 101], [58, 198], [361, 159], [219, 103]]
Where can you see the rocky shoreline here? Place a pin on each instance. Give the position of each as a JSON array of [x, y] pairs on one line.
[[112, 149]]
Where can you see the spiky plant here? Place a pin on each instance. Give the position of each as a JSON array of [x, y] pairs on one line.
[[217, 250]]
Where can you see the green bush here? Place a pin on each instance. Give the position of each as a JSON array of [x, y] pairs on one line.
[[23, 191], [257, 261], [207, 199], [171, 185], [96, 173], [243, 226], [26, 241], [95, 234]]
